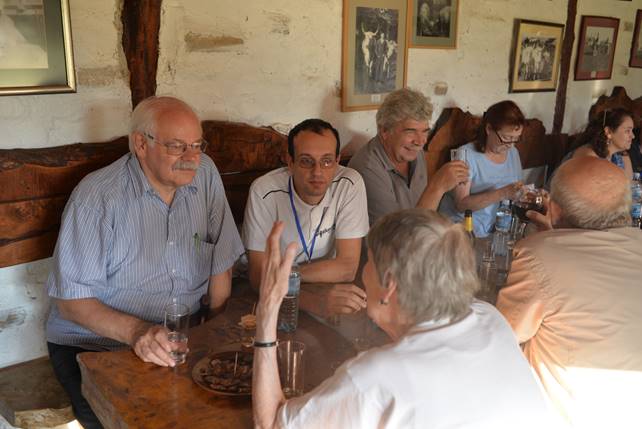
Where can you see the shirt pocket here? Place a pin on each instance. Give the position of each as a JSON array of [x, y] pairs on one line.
[[200, 263]]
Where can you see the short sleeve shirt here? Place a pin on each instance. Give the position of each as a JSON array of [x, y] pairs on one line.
[[388, 191], [436, 376], [341, 214], [485, 175], [120, 243]]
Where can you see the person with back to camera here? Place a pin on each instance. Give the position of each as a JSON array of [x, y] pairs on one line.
[[495, 168], [453, 362]]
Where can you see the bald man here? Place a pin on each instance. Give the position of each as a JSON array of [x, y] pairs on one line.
[[574, 298]]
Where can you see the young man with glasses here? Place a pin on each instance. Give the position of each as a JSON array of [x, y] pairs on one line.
[[150, 228], [324, 209]]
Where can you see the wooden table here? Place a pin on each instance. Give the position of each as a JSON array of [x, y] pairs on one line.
[[125, 392]]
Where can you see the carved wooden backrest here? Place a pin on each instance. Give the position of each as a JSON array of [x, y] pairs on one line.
[[36, 183], [618, 99], [455, 128]]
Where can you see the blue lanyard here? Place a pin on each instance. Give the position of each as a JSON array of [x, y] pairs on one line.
[[298, 225]]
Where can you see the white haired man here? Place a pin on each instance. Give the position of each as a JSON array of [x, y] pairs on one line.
[[148, 229], [392, 164], [573, 297]]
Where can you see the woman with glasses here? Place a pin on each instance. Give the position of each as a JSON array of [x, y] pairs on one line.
[[494, 166]]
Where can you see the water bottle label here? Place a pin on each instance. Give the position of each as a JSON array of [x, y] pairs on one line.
[[502, 222], [636, 210]]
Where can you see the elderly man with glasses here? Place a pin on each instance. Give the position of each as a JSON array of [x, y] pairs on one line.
[[152, 228], [323, 206]]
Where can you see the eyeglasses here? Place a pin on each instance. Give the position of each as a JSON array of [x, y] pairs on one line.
[[177, 147], [505, 141], [309, 163]]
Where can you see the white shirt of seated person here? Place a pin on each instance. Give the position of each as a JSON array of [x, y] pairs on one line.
[[329, 203]]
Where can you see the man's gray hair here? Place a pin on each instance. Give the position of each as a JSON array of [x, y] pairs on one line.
[[401, 105], [143, 119], [431, 260], [580, 212]]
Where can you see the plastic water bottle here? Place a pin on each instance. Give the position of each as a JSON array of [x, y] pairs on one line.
[[636, 197], [503, 218], [289, 310]]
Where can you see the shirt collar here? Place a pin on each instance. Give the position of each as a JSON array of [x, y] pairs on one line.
[[141, 184]]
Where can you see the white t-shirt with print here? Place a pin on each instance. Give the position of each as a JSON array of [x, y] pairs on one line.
[[344, 205]]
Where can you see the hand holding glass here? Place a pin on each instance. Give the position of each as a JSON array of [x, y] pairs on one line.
[[458, 155], [177, 323], [529, 199]]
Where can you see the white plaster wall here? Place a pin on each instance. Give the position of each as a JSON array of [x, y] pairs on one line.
[[24, 307], [264, 63]]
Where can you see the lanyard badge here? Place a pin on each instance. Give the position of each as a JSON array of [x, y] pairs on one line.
[[309, 252]]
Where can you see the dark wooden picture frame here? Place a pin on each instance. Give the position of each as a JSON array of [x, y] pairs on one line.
[[439, 30], [596, 47], [374, 52], [636, 43], [38, 57], [535, 56]]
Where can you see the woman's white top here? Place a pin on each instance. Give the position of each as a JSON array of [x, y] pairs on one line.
[[470, 374]]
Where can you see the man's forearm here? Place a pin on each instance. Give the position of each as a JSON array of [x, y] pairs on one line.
[[329, 271], [219, 290], [102, 320], [431, 197]]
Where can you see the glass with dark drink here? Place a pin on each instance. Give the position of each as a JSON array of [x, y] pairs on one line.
[[530, 199]]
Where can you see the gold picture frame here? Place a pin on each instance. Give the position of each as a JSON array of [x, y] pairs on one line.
[[433, 24], [37, 56], [374, 52], [535, 56]]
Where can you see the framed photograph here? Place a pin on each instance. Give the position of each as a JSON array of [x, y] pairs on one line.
[[596, 47], [636, 44], [374, 54], [36, 55], [535, 56], [432, 23]]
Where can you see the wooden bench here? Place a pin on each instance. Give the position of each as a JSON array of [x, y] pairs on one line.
[[455, 127]]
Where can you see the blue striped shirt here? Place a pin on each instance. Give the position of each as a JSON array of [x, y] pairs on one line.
[[120, 243]]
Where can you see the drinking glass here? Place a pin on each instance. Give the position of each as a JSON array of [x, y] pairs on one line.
[[488, 250], [530, 198], [177, 323], [488, 280], [290, 360], [458, 155], [248, 330]]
